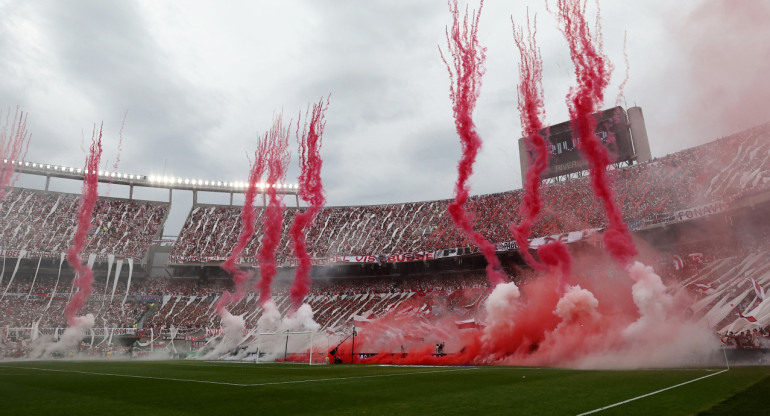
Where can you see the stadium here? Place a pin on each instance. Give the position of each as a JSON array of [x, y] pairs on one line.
[[469, 304]]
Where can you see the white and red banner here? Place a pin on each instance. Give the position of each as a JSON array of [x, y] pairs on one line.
[[705, 288], [759, 290], [748, 318]]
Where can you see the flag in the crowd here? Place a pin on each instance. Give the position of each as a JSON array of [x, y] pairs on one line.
[[759, 290], [706, 288], [748, 318], [466, 324], [678, 263]]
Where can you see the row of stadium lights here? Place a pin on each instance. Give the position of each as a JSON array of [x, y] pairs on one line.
[[72, 170], [197, 182], [161, 180]]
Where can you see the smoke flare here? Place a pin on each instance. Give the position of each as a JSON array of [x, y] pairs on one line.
[[465, 74], [310, 190], [14, 142], [592, 69], [83, 274], [277, 143]]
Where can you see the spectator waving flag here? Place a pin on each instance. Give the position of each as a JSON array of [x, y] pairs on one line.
[[748, 318]]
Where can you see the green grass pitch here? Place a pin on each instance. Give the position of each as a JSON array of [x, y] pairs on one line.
[[220, 388]]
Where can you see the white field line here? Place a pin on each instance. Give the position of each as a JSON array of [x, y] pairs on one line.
[[313, 380], [238, 384], [129, 376], [650, 394]]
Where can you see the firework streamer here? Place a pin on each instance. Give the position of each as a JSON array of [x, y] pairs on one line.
[[311, 191], [14, 142], [532, 114], [83, 274], [277, 161], [465, 73], [592, 69]]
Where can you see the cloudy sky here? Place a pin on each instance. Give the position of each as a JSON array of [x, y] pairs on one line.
[[201, 80]]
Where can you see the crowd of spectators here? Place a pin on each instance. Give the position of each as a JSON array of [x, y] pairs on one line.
[[43, 221], [716, 171], [758, 338]]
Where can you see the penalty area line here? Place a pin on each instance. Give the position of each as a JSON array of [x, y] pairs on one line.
[[650, 394]]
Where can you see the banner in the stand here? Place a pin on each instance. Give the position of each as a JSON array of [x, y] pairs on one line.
[[149, 298], [700, 211], [380, 259], [570, 237], [34, 254]]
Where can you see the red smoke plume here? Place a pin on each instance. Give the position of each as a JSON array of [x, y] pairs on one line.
[[248, 219], [599, 322], [532, 113], [311, 191], [277, 143], [13, 140], [465, 81], [593, 70], [84, 274]]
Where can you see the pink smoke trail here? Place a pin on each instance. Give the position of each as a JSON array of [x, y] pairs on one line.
[[622, 86], [248, 219], [593, 70], [532, 113], [14, 142], [311, 191], [120, 143], [83, 273], [277, 140], [465, 81]]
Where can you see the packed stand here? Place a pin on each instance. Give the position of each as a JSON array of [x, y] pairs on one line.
[[42, 221], [720, 170]]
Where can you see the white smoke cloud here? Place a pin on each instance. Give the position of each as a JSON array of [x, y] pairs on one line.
[[232, 333], [576, 305], [70, 338], [270, 319], [300, 320], [654, 304], [660, 337], [501, 308]]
